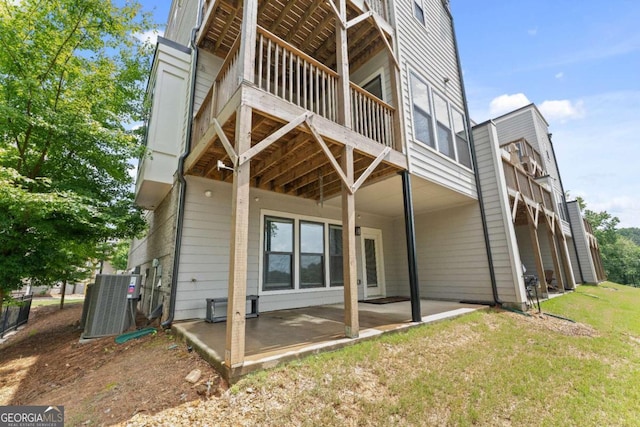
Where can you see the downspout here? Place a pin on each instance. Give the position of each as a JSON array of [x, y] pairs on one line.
[[414, 288], [183, 183], [566, 209], [485, 229]]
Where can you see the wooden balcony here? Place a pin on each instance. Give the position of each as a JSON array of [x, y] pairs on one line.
[[307, 24], [522, 186], [523, 152]]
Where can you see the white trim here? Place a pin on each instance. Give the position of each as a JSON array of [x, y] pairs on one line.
[[296, 218], [434, 127], [378, 72], [377, 236]]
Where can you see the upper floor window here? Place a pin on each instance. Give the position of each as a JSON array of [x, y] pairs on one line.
[[418, 11], [448, 132]]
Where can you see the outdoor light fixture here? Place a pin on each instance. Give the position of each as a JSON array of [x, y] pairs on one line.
[[208, 193]]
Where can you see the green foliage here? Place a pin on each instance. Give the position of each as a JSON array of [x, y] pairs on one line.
[[120, 254], [620, 252], [71, 77], [632, 234]]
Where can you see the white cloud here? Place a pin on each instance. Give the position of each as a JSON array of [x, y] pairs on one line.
[[559, 75], [507, 103], [150, 36], [562, 110]]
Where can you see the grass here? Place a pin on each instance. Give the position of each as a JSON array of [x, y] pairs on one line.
[[38, 302], [486, 368]]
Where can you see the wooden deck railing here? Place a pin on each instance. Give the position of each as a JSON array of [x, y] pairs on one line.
[[372, 117], [223, 87], [518, 180], [290, 74]]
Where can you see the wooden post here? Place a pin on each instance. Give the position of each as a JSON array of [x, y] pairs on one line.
[[350, 276], [554, 256], [533, 232], [342, 64], [236, 307], [247, 58]]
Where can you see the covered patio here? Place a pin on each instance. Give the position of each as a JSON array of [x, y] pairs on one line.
[[279, 336]]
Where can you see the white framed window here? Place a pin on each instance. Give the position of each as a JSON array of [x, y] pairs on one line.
[[418, 12], [300, 253], [437, 123]]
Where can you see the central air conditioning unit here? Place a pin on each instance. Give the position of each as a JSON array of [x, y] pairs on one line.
[[110, 305]]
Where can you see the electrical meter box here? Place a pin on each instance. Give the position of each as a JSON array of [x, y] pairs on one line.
[[133, 291]]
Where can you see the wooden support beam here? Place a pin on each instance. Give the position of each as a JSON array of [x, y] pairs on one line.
[[555, 255], [283, 13], [514, 211], [327, 152], [350, 275], [358, 19], [238, 261], [337, 13], [370, 169], [248, 40], [321, 26], [225, 142], [390, 51], [535, 244], [265, 143], [225, 29], [307, 14], [342, 67]]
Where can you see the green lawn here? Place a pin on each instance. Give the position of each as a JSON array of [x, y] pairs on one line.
[[488, 368]]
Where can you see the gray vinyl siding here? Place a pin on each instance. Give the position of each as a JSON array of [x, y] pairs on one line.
[[204, 262], [582, 243], [182, 19], [430, 52], [208, 67], [504, 247], [452, 261], [516, 126]]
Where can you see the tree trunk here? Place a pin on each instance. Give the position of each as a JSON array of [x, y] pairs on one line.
[[63, 290]]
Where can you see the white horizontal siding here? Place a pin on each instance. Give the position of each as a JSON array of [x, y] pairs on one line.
[[208, 67], [452, 260], [504, 246], [377, 64], [204, 261], [181, 20], [582, 244]]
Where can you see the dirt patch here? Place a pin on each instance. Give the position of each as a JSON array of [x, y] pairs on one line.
[[99, 382], [561, 326]]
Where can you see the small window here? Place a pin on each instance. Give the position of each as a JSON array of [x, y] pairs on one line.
[[311, 255], [445, 139], [422, 124], [374, 86], [462, 139], [278, 253], [335, 256], [418, 11]]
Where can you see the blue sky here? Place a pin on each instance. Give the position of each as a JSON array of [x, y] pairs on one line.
[[579, 61]]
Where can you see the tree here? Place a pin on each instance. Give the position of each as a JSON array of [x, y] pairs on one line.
[[620, 254], [632, 233], [71, 77]]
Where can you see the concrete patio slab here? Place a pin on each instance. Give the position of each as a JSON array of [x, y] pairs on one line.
[[279, 336]]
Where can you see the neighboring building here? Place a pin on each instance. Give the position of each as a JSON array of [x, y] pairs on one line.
[[548, 236], [315, 152]]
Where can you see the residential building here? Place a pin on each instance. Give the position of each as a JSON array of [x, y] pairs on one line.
[[548, 237], [314, 152]]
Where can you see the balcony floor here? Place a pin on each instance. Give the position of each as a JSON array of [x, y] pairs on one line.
[[284, 335]]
